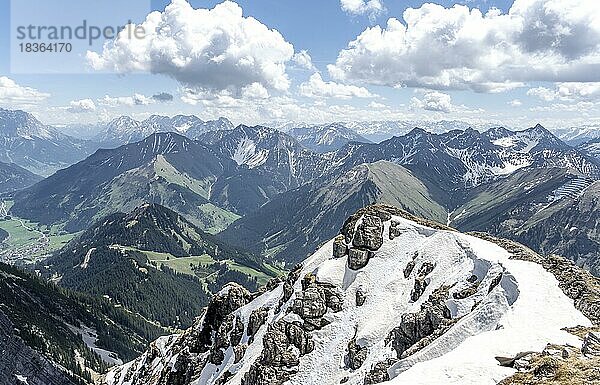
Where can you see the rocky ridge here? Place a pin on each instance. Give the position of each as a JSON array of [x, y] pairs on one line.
[[445, 303]]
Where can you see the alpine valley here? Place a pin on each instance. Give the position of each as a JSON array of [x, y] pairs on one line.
[[179, 251]]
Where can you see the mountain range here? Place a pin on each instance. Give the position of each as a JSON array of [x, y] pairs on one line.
[[125, 130], [251, 173], [39, 148], [151, 231]]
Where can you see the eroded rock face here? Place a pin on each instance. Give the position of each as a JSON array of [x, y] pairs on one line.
[[591, 345], [358, 258], [278, 362], [340, 249], [258, 318], [231, 298], [356, 355], [369, 233], [433, 319]]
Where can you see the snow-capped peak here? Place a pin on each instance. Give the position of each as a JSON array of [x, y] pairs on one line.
[[393, 298]]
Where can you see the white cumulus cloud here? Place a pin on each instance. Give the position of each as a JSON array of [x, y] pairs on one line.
[[81, 106], [316, 87], [361, 7], [570, 91], [461, 48], [209, 50], [303, 60], [128, 101], [11, 92], [433, 101]]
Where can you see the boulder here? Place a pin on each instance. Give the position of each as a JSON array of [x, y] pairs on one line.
[[360, 297], [369, 233], [379, 373], [358, 258], [340, 249], [356, 355]]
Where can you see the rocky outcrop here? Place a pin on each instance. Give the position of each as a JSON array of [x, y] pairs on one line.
[[379, 373], [278, 362], [416, 330], [358, 258], [258, 318], [361, 297], [369, 233], [356, 355], [326, 324], [556, 364], [591, 345], [421, 281], [340, 248], [179, 359]]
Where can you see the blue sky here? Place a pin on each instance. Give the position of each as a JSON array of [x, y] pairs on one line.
[[400, 80]]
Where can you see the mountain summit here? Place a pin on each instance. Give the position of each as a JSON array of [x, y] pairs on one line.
[[392, 298]]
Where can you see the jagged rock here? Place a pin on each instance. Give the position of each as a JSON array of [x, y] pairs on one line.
[[369, 233], [379, 373], [394, 230], [222, 339], [222, 304], [356, 355], [227, 375], [299, 338], [277, 362], [360, 297], [409, 268], [216, 356], [433, 317], [275, 347], [495, 282], [591, 345], [311, 303], [238, 331], [426, 269], [257, 318], [267, 375], [357, 258], [239, 352], [340, 249], [288, 285], [418, 289], [272, 284]]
